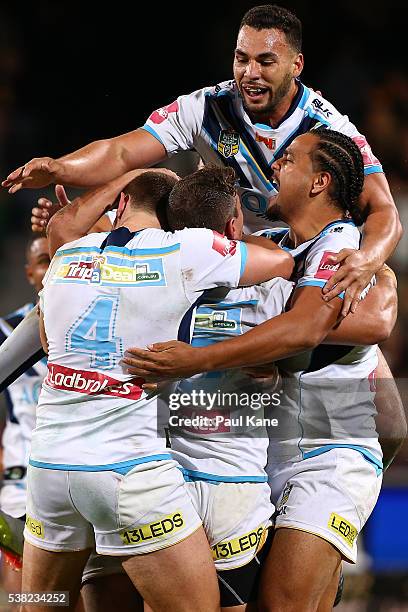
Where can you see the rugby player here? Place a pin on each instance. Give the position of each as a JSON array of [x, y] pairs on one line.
[[325, 486], [101, 291], [246, 123], [224, 465], [21, 399]]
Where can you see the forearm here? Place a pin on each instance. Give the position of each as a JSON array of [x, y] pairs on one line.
[[76, 219], [104, 160], [382, 231], [93, 165], [373, 320], [280, 337]]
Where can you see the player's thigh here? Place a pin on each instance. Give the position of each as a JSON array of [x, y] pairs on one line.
[[44, 570], [297, 572], [180, 578], [112, 592]]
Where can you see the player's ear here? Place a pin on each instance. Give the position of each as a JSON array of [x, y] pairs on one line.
[[298, 64], [123, 201], [230, 230], [321, 181]]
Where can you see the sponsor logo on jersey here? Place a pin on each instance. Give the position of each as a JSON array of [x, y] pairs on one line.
[[253, 540], [91, 383], [369, 158], [35, 527], [228, 143], [343, 528], [223, 245], [99, 271], [269, 142], [336, 230], [326, 268], [159, 529], [217, 319], [161, 114], [319, 106]]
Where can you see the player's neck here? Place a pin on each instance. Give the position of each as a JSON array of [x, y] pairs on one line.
[[137, 221], [307, 225]]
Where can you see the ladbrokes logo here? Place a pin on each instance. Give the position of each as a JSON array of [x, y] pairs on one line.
[[326, 267], [159, 529], [91, 383]]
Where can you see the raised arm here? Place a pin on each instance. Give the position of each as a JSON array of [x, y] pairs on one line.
[[76, 219], [382, 232], [93, 165]]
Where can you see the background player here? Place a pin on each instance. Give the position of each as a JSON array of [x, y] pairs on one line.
[[21, 399]]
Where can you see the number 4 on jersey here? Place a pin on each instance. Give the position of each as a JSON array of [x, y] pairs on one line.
[[94, 333]]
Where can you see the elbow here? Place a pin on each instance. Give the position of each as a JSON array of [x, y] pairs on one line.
[[400, 229], [309, 339], [286, 266], [384, 326]]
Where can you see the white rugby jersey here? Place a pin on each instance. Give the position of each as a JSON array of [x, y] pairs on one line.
[[213, 121], [330, 390], [21, 399], [232, 445], [102, 294]]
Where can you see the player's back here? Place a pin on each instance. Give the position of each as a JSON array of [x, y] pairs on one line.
[[103, 293]]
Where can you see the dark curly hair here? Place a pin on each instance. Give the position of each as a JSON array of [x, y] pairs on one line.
[[268, 16], [339, 155]]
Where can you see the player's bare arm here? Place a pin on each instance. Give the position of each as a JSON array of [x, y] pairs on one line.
[[90, 166], [279, 337], [374, 319], [78, 217], [382, 232], [264, 263]]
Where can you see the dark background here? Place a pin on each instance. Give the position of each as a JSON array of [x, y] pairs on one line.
[[74, 72]]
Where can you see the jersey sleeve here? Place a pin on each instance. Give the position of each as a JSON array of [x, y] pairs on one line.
[[328, 115], [178, 124], [210, 260], [318, 268]]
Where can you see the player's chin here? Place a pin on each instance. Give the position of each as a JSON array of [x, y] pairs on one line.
[[257, 105]]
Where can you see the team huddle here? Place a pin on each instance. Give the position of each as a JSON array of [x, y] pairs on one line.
[[256, 285]]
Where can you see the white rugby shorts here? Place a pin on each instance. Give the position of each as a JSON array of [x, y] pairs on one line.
[[145, 510], [236, 518], [330, 495]]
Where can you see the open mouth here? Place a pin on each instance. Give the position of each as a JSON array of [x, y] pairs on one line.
[[254, 92]]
